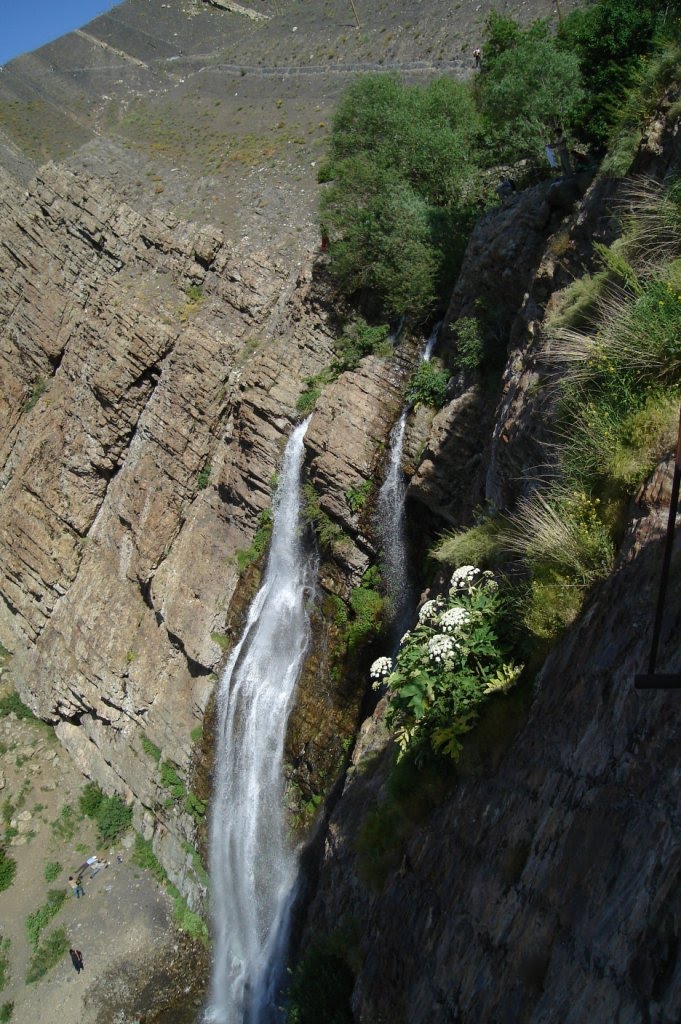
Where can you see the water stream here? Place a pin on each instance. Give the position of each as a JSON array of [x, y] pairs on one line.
[[253, 868], [391, 520]]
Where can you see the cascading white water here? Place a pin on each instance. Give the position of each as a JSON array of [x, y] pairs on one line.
[[392, 530], [430, 343], [391, 519], [253, 868]]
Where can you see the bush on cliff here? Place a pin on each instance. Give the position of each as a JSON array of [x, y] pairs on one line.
[[448, 666], [609, 39], [405, 184], [112, 815], [529, 90]]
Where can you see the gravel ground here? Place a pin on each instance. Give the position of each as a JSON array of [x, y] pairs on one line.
[[122, 924]]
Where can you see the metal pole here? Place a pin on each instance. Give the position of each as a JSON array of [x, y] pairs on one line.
[[651, 681]]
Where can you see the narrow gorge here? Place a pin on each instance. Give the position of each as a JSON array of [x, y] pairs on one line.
[[214, 522]]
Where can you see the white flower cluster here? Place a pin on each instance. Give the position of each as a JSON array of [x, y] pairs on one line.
[[453, 620], [440, 648], [381, 668], [430, 611], [463, 579]]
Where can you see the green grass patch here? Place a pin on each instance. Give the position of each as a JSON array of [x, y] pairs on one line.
[[151, 750], [357, 497], [222, 640], [36, 922], [47, 955], [6, 1012], [66, 823], [171, 781], [4, 963], [8, 869], [12, 703], [53, 870], [37, 391]]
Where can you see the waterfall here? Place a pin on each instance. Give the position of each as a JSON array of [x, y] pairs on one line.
[[253, 868], [392, 531], [391, 519], [430, 343]]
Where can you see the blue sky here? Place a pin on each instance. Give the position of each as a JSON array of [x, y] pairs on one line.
[[28, 25]]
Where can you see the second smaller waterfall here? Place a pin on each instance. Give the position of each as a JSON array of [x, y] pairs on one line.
[[392, 528], [391, 519]]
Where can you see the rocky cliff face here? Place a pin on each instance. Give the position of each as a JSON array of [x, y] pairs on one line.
[[545, 886], [151, 369], [150, 384]]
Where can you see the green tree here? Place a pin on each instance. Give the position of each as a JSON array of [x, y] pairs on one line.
[[608, 39], [529, 90], [405, 184]]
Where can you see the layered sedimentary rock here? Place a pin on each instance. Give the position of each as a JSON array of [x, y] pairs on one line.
[[150, 381]]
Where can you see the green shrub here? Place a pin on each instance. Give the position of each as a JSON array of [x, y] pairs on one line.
[[313, 389], [37, 391], [368, 608], [143, 855], [112, 815], [114, 818], [608, 39], [6, 1012], [246, 557], [470, 345], [356, 497], [4, 963], [171, 781], [195, 806], [8, 869], [65, 824], [39, 920], [405, 183], [448, 666], [428, 386], [330, 535], [47, 955], [203, 477], [151, 750], [479, 545], [529, 90], [90, 800], [357, 340], [53, 870]]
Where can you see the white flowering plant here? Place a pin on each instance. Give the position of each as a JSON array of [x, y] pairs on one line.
[[448, 666]]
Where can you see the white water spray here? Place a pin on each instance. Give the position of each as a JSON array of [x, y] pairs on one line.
[[391, 519], [253, 868], [392, 531]]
